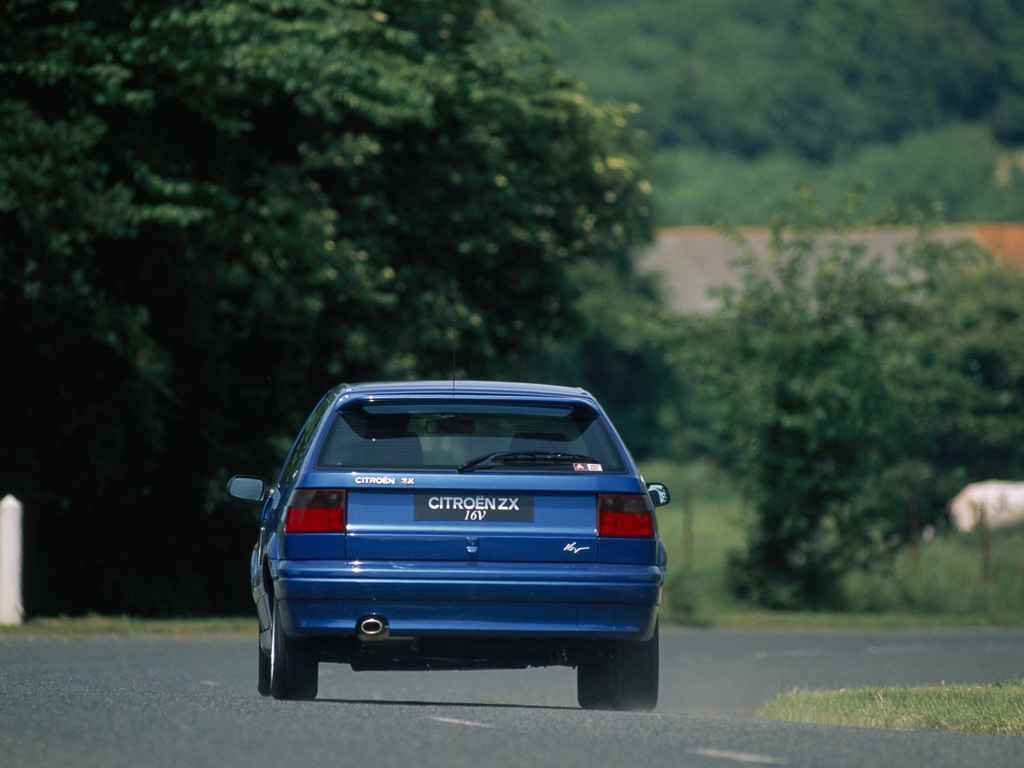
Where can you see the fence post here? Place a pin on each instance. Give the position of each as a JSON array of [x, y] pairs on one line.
[[11, 610], [915, 534], [986, 547]]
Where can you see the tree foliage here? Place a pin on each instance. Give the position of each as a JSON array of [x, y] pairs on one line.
[[742, 97], [211, 211], [858, 393], [816, 78], [958, 170]]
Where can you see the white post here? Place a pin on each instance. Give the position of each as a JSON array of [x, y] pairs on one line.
[[11, 610]]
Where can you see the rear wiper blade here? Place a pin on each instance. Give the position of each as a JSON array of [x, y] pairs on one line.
[[526, 458]]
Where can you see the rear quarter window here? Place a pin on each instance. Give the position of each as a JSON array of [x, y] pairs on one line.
[[305, 437]]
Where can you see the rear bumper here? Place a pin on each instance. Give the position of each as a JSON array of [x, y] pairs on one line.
[[320, 598]]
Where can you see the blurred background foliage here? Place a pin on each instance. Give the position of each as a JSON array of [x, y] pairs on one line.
[[921, 99], [211, 211], [856, 393]]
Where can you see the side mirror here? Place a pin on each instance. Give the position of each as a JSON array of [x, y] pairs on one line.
[[247, 488], [659, 494]]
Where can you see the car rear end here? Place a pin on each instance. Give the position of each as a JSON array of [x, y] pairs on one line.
[[447, 526]]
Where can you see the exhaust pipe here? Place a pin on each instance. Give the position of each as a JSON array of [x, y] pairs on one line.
[[372, 628]]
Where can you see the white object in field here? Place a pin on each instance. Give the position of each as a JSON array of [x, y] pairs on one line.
[[1001, 502]]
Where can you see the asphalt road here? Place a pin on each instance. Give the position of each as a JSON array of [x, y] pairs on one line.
[[191, 702]]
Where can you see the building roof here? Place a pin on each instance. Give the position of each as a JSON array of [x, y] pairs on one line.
[[692, 260]]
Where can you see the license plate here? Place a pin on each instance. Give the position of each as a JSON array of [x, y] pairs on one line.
[[486, 508]]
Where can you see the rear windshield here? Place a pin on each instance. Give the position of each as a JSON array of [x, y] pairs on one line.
[[470, 437]]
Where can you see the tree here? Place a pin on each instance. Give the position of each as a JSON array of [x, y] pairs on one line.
[[818, 79], [852, 387], [970, 380], [212, 211]]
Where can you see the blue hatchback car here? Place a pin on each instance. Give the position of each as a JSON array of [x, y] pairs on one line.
[[457, 525]]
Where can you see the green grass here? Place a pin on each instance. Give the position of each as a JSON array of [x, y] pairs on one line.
[[940, 584], [946, 577], [997, 708]]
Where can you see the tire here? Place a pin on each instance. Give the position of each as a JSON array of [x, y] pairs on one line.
[[592, 683], [293, 665], [263, 679], [625, 678]]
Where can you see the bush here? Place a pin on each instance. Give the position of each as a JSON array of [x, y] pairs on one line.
[[856, 393], [942, 575]]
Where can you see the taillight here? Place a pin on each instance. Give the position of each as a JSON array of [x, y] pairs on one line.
[[625, 515], [315, 510]]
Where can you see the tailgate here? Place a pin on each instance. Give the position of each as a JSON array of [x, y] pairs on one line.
[[492, 526]]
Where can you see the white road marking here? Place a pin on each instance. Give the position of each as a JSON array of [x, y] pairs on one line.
[[898, 648], [456, 721], [739, 757]]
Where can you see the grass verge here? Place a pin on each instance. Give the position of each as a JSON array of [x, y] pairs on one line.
[[997, 708], [94, 624]]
